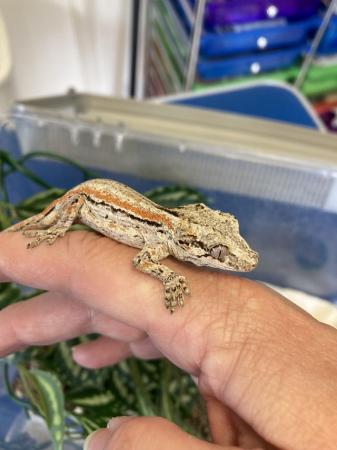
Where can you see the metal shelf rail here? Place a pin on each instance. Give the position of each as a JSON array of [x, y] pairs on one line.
[[168, 55]]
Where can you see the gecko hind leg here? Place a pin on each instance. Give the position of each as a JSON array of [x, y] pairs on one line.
[[49, 229]]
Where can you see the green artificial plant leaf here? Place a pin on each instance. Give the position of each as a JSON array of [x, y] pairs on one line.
[[174, 196], [44, 391]]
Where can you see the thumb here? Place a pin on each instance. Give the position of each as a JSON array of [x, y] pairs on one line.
[[145, 433]]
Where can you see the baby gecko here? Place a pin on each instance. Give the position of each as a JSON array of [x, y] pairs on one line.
[[192, 233]]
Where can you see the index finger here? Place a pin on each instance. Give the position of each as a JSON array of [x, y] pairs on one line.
[[98, 272], [86, 266]]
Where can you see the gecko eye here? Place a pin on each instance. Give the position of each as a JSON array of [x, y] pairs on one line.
[[220, 252]]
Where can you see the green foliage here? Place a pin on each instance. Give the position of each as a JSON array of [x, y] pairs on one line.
[[73, 400], [44, 391], [177, 195]]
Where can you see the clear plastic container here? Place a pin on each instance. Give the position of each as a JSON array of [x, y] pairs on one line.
[[279, 180], [32, 434]]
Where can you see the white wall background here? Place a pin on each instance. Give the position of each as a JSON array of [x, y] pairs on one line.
[[60, 44]]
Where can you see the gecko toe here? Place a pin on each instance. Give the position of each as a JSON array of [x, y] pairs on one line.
[[48, 236], [181, 300], [30, 233], [34, 243]]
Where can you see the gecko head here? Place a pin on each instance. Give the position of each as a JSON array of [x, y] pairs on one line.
[[212, 238]]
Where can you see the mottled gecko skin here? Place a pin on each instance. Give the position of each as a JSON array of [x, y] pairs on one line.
[[193, 233]]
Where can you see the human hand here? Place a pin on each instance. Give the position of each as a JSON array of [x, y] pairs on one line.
[[267, 370]]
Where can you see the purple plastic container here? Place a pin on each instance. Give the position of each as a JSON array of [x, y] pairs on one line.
[[221, 13]]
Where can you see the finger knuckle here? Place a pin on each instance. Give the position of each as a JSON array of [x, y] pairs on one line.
[[21, 329], [129, 435]]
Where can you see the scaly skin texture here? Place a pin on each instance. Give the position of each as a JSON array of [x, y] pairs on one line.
[[193, 233]]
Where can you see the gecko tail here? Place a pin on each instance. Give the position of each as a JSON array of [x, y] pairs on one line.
[[39, 221], [30, 223]]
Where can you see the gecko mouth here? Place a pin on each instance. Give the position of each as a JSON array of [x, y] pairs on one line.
[[253, 259]]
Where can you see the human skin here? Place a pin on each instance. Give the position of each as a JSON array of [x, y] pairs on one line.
[[267, 370]]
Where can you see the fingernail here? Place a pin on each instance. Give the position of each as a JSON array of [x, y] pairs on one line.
[[76, 352], [76, 348], [81, 357], [97, 440], [116, 422]]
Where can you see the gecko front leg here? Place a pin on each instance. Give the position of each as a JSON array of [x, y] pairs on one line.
[[175, 285]]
